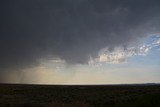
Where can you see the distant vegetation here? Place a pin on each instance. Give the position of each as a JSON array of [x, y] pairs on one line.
[[79, 96]]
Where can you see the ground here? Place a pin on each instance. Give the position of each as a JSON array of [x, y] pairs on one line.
[[16, 95]]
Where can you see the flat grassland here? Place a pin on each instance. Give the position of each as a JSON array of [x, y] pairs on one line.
[[19, 95]]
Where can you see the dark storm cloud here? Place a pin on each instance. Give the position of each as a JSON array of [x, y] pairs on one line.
[[70, 29]]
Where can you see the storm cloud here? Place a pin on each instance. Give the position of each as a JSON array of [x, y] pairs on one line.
[[72, 30]]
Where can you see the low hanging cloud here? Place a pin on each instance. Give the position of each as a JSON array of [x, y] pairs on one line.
[[72, 31], [120, 54], [80, 74]]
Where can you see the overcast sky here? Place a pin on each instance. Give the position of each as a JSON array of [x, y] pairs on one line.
[[79, 41]]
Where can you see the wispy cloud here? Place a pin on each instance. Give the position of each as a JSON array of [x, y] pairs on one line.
[[120, 54]]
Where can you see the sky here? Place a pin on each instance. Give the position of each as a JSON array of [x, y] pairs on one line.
[[79, 41]]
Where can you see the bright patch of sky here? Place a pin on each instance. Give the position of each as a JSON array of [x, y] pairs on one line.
[[149, 48], [152, 56], [130, 65]]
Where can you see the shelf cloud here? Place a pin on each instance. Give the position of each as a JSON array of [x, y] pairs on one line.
[[74, 31]]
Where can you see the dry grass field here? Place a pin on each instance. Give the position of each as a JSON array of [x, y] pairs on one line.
[[14, 95]]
